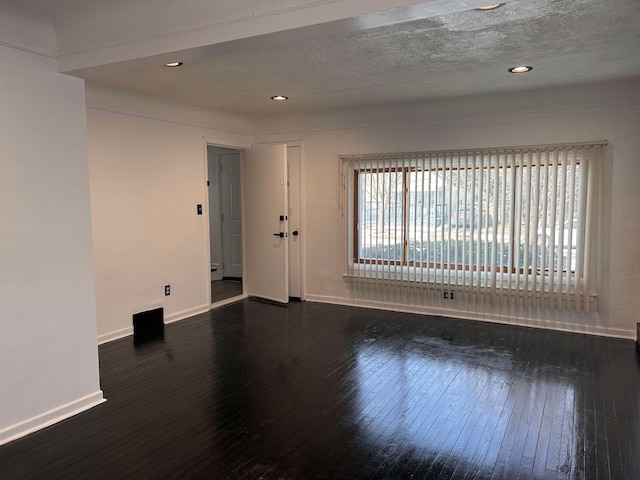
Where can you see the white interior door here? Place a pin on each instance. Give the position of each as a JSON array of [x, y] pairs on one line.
[[293, 164], [231, 215], [266, 238]]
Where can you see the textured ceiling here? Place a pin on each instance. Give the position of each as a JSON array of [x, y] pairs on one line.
[[430, 57], [467, 53]]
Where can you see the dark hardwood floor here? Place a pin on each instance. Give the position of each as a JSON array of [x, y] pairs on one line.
[[314, 391], [225, 288]]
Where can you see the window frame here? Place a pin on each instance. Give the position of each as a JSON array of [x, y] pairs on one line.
[[511, 268]]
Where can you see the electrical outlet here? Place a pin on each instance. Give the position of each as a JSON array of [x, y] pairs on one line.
[[448, 294], [167, 290]]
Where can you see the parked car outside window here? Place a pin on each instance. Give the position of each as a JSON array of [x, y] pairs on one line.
[[465, 216], [568, 251]]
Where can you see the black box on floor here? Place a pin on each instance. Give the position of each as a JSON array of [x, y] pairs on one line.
[[148, 325]]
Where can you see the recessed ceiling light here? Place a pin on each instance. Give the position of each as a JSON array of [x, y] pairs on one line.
[[522, 69], [491, 6], [173, 64], [279, 98]]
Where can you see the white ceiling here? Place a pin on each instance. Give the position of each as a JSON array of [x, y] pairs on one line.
[[425, 57]]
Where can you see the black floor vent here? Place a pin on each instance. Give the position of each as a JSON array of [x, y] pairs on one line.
[[148, 325]]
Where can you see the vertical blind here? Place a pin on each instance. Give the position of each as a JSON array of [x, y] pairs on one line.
[[505, 224]]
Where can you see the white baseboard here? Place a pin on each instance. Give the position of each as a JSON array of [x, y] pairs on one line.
[[189, 312], [174, 317], [228, 301], [109, 337], [521, 321], [56, 415]]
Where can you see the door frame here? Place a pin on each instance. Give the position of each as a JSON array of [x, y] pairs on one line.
[[303, 228], [240, 146]]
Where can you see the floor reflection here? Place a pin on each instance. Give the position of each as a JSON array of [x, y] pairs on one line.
[[457, 409], [225, 288], [316, 391], [363, 400]]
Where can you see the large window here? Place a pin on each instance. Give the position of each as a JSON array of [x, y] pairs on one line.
[[520, 220]]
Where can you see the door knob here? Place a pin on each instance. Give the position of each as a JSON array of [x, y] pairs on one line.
[[295, 233]]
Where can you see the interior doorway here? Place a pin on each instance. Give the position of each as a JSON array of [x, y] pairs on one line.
[[225, 222], [231, 217]]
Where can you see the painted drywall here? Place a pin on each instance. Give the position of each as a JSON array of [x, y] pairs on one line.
[[147, 176], [325, 264], [137, 105], [48, 353]]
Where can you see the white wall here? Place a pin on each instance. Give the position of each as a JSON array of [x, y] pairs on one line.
[[48, 354], [620, 125], [147, 175]]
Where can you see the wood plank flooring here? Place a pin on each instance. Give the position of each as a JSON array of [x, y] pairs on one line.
[[225, 288], [314, 391]]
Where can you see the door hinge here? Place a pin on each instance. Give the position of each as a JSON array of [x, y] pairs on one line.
[[208, 183]]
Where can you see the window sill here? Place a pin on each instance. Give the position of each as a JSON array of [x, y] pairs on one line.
[[464, 283]]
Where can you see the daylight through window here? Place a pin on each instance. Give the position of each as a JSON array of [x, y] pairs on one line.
[[517, 223]]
